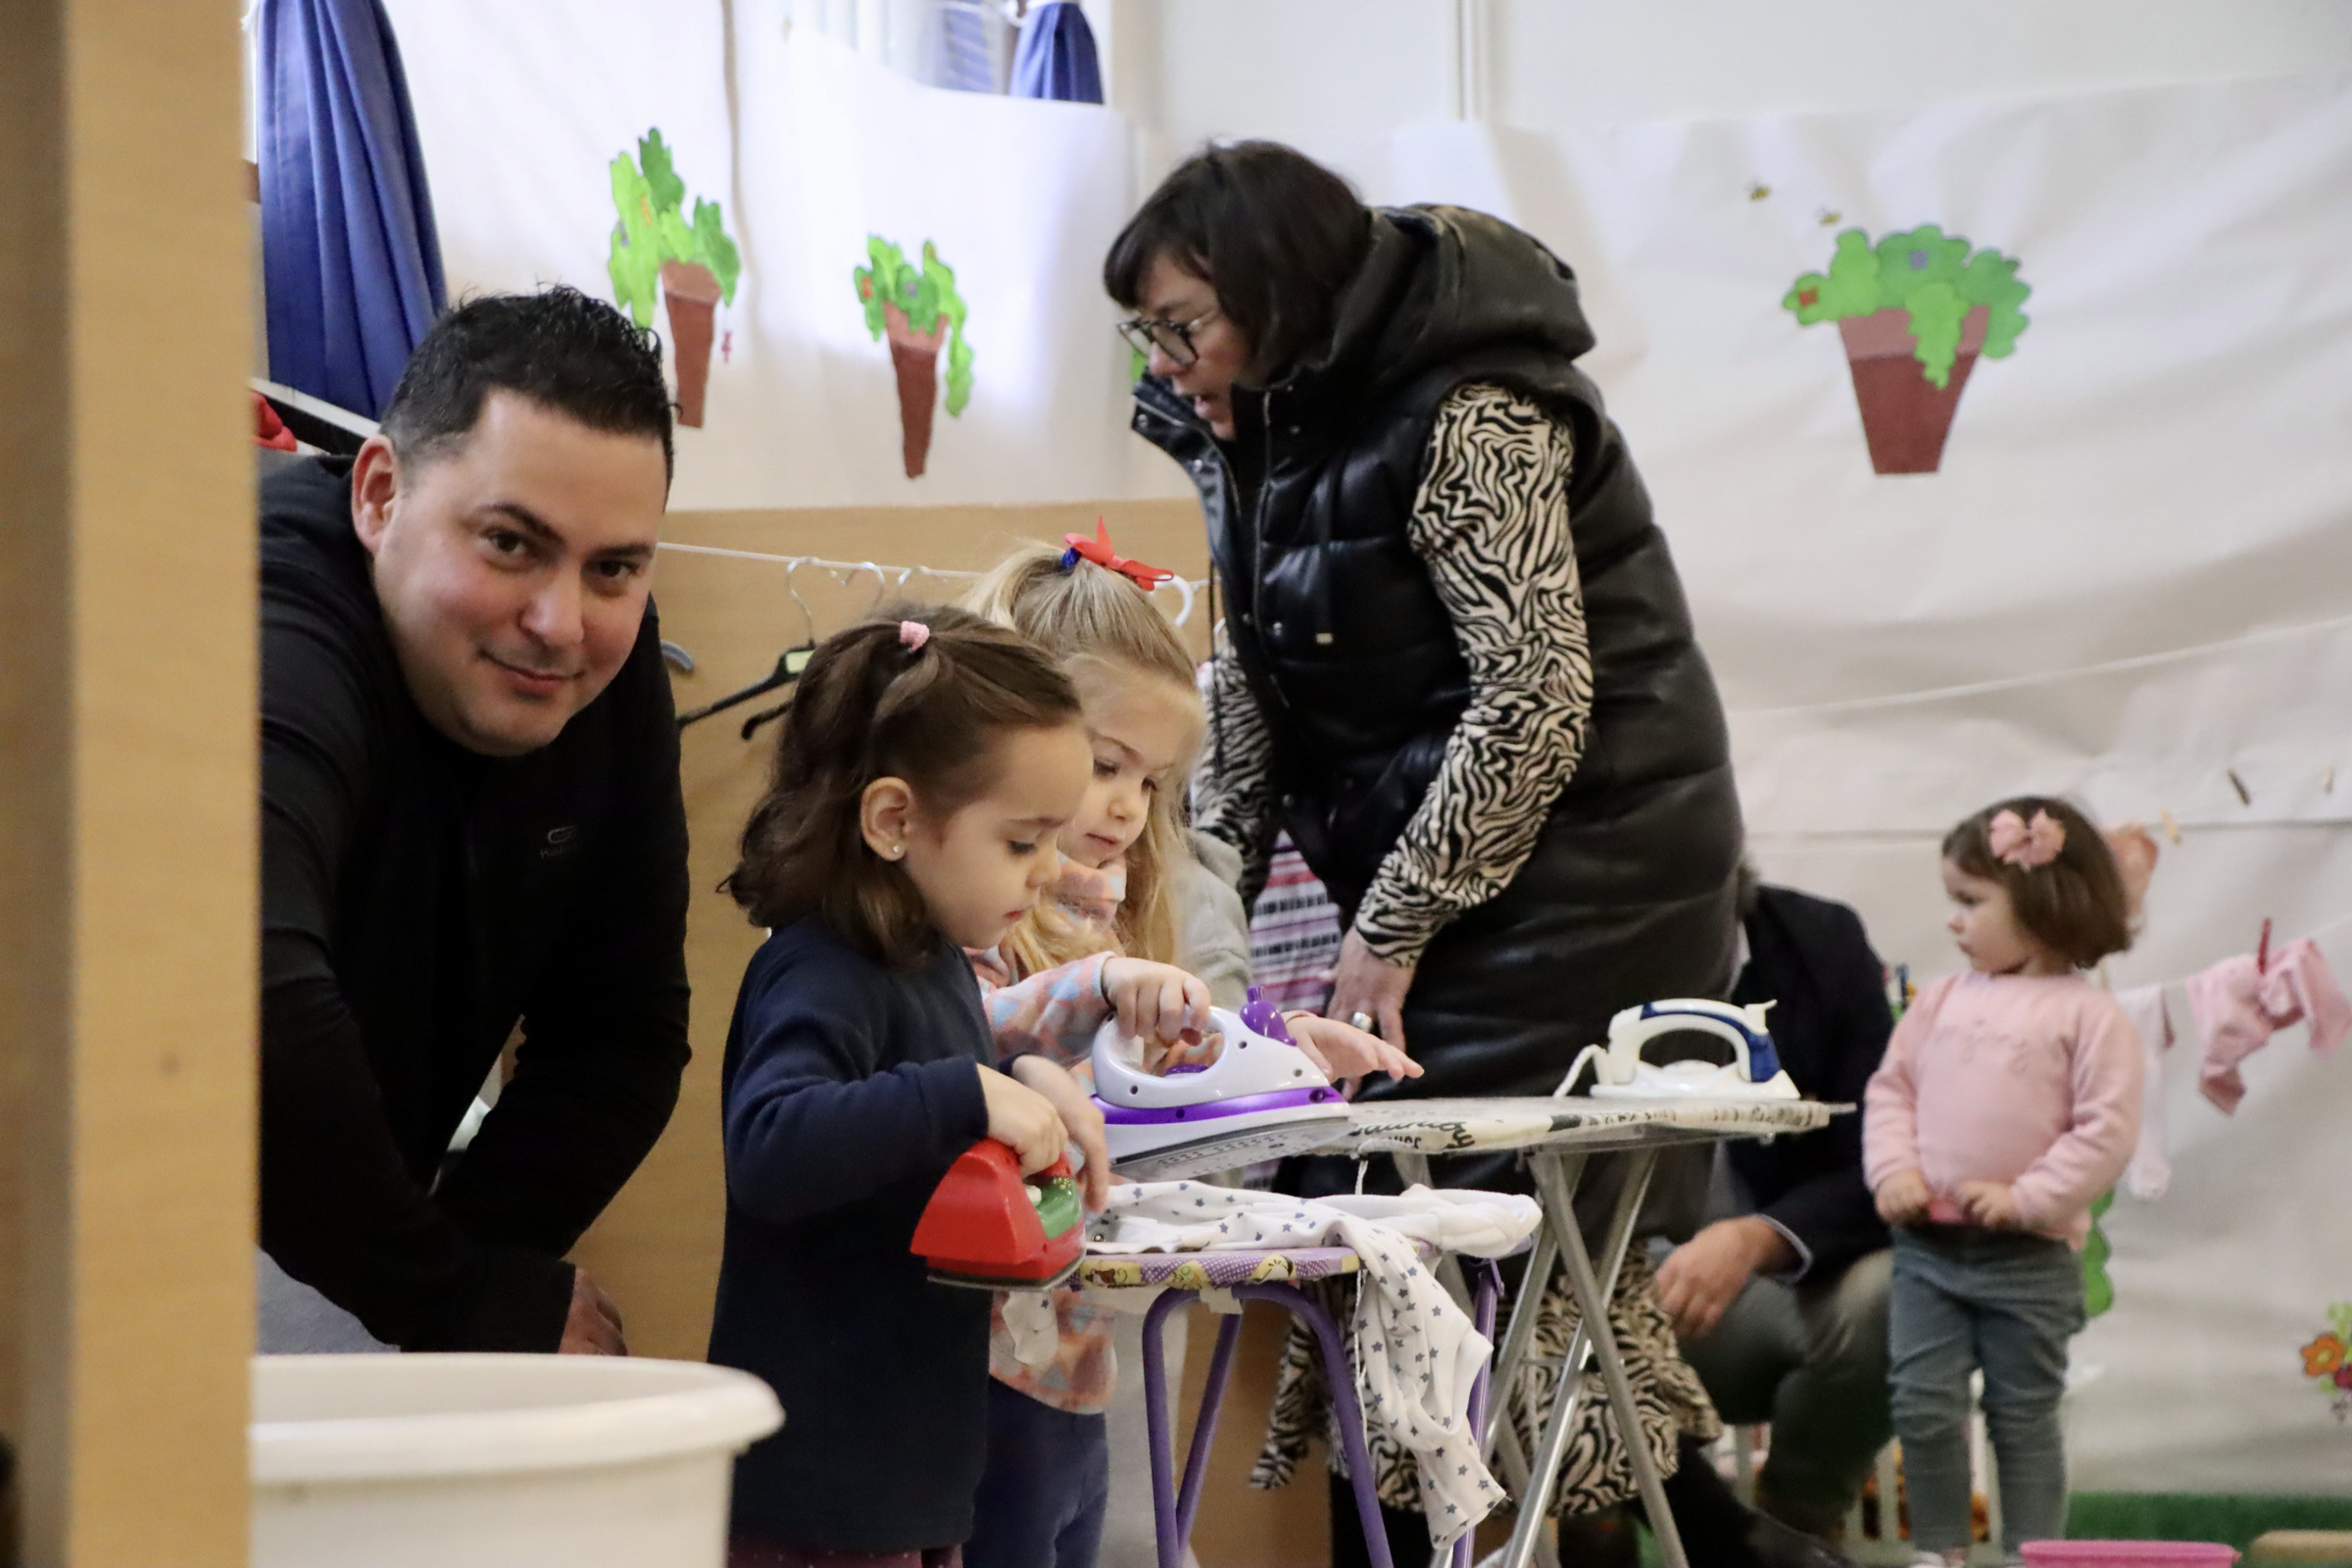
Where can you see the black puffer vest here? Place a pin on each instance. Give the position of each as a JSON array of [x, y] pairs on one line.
[[1354, 659]]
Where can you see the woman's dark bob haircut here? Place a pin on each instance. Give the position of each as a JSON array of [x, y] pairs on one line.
[[2075, 905], [1276, 234]]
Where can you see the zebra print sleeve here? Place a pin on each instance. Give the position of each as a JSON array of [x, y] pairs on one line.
[[1233, 788], [1490, 524]]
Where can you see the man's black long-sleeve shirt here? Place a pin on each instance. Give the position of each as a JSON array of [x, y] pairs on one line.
[[417, 900], [1811, 958]]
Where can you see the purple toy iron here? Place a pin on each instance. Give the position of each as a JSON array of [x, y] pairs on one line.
[[1261, 1098]]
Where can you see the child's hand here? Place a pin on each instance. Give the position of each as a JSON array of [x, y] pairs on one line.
[[1904, 1198], [1155, 1001], [1990, 1205], [1080, 1116], [1347, 1055], [1024, 1120]]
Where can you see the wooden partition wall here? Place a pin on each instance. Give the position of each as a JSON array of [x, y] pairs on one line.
[[127, 783]]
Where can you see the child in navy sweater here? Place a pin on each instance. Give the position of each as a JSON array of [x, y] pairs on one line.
[[921, 776]]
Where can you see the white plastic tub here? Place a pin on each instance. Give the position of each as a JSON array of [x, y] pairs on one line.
[[497, 1461]]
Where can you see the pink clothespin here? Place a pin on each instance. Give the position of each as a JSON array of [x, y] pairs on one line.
[[2262, 953]]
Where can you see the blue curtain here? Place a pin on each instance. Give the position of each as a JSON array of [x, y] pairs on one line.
[[1056, 57], [351, 263]]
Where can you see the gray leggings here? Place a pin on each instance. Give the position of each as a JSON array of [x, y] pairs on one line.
[[1966, 1299]]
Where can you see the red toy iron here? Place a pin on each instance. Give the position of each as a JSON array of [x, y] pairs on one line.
[[988, 1228]]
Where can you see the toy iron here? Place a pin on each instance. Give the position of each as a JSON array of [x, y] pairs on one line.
[[988, 1227], [1261, 1098], [1754, 1071]]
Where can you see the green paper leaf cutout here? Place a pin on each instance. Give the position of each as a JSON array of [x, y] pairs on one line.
[[1937, 313], [1991, 281], [661, 172], [2098, 1290], [717, 252], [1934, 278], [648, 198], [927, 295]]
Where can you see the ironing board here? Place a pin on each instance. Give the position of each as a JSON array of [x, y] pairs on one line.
[[1256, 1275], [1559, 1135]]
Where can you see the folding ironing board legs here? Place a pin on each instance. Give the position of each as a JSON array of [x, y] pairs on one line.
[[1172, 1510], [1592, 1330]]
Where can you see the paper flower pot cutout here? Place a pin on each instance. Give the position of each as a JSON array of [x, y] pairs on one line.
[[695, 265], [918, 311], [1916, 311]]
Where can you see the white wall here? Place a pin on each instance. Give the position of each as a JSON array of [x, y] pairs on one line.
[[1330, 72]]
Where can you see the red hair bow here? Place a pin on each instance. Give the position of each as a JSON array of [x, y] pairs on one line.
[[1098, 549]]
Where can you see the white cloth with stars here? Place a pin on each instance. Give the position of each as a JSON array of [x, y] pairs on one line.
[[1417, 1353]]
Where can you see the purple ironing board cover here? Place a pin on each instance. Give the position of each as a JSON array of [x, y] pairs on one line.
[[1220, 1270]]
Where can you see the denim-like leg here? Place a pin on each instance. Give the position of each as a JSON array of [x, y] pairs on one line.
[[2030, 1303], [1931, 1352]]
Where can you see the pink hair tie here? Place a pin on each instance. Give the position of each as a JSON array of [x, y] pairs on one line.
[[913, 634], [2027, 846]]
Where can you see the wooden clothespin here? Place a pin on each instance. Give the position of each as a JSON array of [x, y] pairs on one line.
[[2262, 953], [2172, 829], [2245, 796]]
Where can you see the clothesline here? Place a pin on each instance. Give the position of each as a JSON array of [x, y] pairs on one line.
[[886, 577], [2005, 683]]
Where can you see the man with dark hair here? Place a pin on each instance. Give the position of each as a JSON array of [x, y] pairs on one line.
[[470, 820]]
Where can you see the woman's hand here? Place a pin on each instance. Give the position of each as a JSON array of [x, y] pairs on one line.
[[1369, 984], [1348, 1054], [1155, 1001], [1904, 1198], [1990, 1205], [1078, 1115]]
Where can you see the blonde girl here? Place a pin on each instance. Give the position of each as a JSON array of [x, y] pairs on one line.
[[1105, 933]]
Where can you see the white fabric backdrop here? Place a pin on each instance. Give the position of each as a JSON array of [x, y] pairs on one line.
[[809, 147], [2164, 462]]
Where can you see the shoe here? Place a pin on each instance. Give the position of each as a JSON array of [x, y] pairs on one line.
[[1822, 1524], [1775, 1545]]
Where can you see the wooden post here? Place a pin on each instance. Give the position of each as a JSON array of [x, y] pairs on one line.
[[127, 783]]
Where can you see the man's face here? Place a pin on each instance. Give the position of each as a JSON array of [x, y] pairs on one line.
[[512, 570]]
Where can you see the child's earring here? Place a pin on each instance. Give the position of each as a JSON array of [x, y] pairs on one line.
[[897, 851]]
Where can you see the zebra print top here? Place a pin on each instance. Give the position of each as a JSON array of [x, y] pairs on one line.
[[1490, 524]]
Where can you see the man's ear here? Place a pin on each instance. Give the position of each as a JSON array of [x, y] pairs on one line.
[[886, 817], [375, 488]]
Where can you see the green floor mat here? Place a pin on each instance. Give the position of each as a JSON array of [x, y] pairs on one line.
[[2236, 1518]]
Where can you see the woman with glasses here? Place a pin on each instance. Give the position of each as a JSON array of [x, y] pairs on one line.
[[1456, 665]]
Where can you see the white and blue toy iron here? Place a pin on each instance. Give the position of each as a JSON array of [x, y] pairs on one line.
[[1261, 1098], [1754, 1071]]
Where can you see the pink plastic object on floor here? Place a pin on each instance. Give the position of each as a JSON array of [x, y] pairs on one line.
[[2129, 1555]]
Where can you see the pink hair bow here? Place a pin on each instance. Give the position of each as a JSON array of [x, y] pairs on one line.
[[913, 634], [2025, 845]]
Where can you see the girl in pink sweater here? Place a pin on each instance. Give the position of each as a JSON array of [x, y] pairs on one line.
[[2008, 1101]]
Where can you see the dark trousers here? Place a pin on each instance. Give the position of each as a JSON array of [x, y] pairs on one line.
[[1047, 1484]]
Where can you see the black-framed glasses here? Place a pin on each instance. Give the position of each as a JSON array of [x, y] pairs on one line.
[[1145, 333]]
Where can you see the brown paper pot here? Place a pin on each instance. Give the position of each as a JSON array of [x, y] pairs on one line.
[[692, 291], [916, 357], [1904, 418]]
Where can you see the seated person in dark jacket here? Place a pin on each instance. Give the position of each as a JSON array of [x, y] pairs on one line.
[[1781, 1303], [471, 818]]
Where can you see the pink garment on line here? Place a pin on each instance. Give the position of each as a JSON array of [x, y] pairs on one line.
[[2239, 1007], [2033, 1081]]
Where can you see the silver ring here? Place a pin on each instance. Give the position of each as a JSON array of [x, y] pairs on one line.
[[1360, 1020]]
